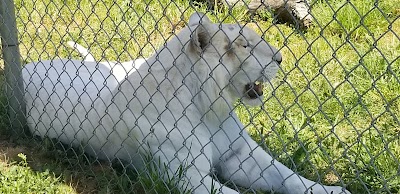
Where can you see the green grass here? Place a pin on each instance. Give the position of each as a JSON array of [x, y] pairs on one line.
[[333, 114], [19, 178]]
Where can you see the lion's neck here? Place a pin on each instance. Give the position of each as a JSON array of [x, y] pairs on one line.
[[208, 99], [169, 79]]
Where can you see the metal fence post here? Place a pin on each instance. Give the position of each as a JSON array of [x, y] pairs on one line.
[[12, 61]]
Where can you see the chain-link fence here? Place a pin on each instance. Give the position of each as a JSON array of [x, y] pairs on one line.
[[127, 99]]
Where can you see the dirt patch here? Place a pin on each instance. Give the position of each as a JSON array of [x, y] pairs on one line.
[[82, 178]]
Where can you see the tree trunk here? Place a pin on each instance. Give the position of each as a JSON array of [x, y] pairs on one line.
[[292, 11]]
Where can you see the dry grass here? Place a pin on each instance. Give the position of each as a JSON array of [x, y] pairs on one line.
[[333, 113]]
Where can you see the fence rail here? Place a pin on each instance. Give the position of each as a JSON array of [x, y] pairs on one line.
[[330, 115]]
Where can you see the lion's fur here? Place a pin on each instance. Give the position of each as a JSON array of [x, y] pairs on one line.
[[178, 106]]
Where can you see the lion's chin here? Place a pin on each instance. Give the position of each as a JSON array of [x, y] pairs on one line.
[[253, 101]]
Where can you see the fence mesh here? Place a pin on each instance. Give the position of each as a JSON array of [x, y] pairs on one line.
[[330, 115]]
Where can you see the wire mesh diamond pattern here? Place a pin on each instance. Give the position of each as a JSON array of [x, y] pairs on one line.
[[178, 86]]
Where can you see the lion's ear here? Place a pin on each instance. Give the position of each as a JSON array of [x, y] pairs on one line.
[[200, 25], [198, 18]]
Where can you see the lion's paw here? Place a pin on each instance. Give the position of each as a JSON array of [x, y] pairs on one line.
[[332, 190], [329, 190]]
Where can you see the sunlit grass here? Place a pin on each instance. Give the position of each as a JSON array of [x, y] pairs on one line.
[[333, 112], [20, 178]]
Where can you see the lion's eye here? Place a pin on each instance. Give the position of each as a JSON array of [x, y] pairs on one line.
[[244, 44]]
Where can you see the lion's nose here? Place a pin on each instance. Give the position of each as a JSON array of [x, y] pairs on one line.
[[278, 57]]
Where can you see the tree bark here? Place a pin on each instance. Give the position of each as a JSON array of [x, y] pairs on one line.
[[296, 12]]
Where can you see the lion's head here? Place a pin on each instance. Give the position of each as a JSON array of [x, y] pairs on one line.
[[237, 60]]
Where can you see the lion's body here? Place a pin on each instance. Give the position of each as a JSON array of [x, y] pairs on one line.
[[178, 106]]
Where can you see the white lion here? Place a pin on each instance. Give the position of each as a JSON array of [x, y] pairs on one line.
[[178, 106], [119, 70]]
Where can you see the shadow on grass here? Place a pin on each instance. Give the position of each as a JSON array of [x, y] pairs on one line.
[[81, 176], [83, 173]]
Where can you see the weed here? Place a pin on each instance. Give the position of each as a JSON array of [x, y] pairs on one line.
[[332, 114]]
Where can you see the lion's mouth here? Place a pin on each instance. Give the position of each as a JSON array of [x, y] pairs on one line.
[[254, 90]]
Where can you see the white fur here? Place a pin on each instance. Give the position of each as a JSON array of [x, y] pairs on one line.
[[119, 70], [87, 56], [177, 106]]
